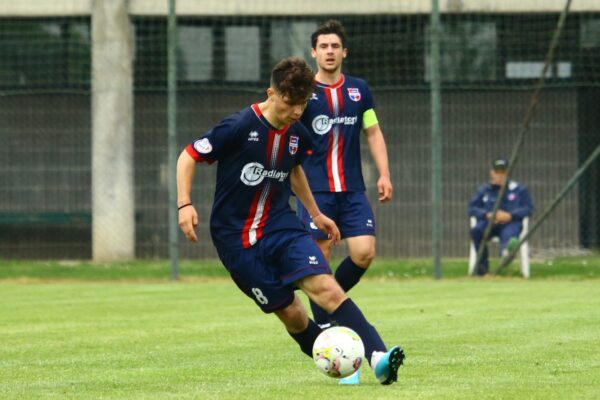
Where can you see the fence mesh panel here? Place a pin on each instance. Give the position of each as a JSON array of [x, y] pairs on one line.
[[490, 63]]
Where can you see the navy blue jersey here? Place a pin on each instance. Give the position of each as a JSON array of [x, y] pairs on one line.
[[252, 189], [334, 116], [516, 201]]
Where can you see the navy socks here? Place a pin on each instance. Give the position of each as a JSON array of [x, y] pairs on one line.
[[348, 314], [347, 275], [307, 337]]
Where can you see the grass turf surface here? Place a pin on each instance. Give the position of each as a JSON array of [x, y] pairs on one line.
[[574, 268], [465, 338]]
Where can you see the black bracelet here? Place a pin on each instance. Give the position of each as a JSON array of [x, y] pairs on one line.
[[185, 205]]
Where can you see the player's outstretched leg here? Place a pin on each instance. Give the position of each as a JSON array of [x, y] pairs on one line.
[[386, 365], [347, 274], [330, 296]]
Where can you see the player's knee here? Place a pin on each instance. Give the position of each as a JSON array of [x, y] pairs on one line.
[[330, 296], [364, 258], [362, 250], [324, 290]]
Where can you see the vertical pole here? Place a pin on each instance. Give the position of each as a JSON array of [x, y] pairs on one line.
[[172, 139], [436, 142], [113, 193]]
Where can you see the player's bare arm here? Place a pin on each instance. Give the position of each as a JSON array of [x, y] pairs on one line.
[[378, 149], [188, 217], [301, 189]]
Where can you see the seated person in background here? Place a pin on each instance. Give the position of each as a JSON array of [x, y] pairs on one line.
[[515, 205]]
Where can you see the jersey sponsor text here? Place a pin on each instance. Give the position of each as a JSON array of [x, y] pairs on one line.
[[254, 173], [322, 124]]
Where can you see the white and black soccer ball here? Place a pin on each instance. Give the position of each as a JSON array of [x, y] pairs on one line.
[[338, 352]]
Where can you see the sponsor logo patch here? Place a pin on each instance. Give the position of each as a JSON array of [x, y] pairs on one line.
[[322, 123], [253, 136], [254, 173], [203, 146]]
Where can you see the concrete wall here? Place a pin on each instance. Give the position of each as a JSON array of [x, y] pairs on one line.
[[280, 7]]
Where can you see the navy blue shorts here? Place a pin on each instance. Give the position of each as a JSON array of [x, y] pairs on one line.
[[266, 272], [351, 212]]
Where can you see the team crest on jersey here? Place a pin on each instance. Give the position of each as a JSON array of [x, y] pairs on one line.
[[293, 146], [354, 94]]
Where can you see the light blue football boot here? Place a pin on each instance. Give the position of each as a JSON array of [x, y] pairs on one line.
[[386, 369], [353, 379]]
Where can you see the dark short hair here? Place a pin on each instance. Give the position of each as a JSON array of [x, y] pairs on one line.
[[332, 26], [293, 78]]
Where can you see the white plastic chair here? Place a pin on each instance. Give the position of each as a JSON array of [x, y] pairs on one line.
[[523, 250]]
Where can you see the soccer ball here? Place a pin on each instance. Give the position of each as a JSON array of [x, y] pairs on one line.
[[338, 352]]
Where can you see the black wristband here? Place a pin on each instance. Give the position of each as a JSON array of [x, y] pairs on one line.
[[185, 205]]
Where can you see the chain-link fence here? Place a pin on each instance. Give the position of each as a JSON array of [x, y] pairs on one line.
[[490, 63]]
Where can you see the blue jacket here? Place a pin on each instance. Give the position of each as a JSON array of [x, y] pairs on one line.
[[516, 201]]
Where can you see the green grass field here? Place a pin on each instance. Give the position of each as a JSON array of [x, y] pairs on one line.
[[83, 331]]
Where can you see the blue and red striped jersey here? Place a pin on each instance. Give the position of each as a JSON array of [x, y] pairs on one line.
[[334, 116], [253, 188]]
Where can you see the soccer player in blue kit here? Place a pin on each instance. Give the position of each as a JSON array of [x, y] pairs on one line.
[[340, 110], [258, 237], [516, 204]]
